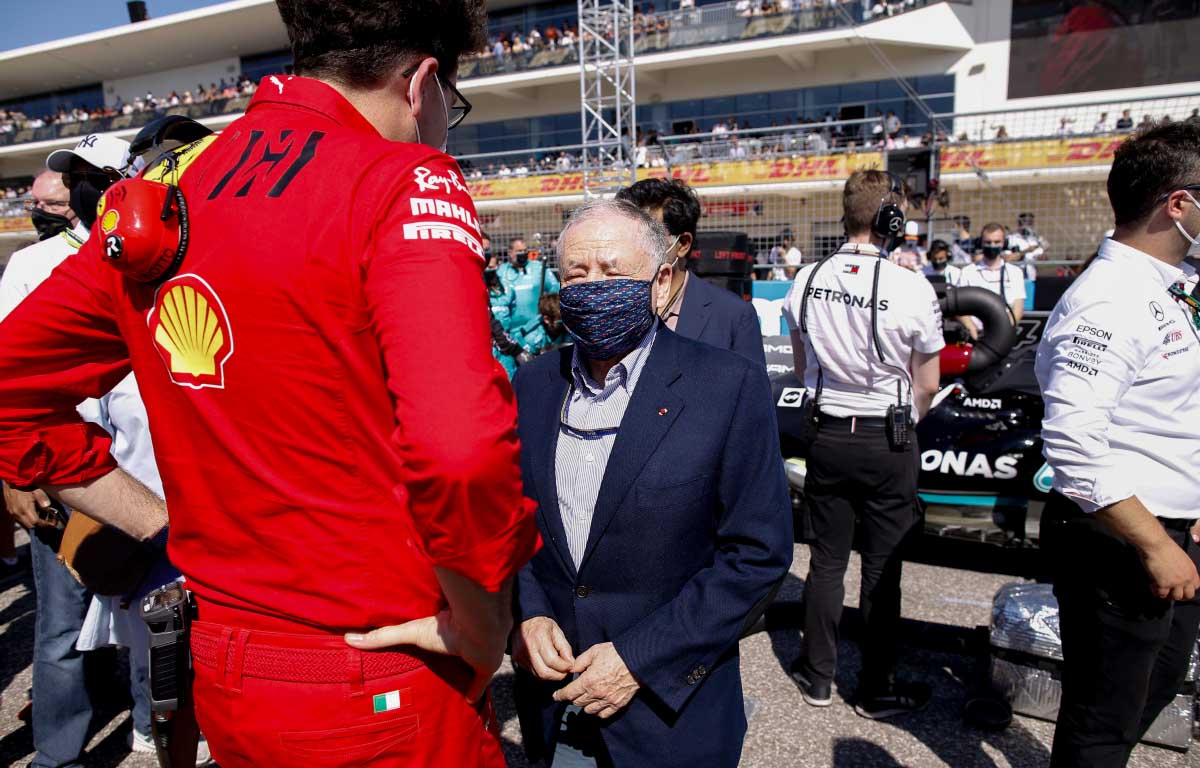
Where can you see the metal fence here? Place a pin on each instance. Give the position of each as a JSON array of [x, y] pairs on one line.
[[780, 185]]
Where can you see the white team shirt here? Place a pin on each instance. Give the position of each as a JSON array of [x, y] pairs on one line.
[[1011, 288], [28, 267], [1118, 366], [951, 273], [1019, 241], [855, 382]]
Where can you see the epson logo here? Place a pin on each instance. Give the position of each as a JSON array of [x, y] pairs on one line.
[[1099, 333], [965, 465], [990, 403]]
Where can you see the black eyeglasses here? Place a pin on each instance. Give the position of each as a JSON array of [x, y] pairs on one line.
[[459, 107], [101, 179], [1184, 188]]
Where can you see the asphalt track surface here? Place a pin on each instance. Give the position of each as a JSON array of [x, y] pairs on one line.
[[941, 608]]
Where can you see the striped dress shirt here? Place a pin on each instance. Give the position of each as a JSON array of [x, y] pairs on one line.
[[590, 418]]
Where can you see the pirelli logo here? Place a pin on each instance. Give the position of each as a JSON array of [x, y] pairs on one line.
[[441, 230], [1080, 341]]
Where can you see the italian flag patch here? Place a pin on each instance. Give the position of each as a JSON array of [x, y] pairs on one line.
[[386, 702]]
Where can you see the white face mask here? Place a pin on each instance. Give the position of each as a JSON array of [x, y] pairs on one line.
[[411, 101]]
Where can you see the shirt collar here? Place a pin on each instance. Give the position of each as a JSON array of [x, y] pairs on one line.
[[625, 373], [1150, 267], [307, 93]]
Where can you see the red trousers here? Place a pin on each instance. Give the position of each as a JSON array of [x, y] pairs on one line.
[[310, 701]]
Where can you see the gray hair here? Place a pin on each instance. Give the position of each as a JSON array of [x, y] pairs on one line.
[[652, 237]]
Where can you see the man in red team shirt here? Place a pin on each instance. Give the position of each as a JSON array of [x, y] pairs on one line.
[[329, 467]]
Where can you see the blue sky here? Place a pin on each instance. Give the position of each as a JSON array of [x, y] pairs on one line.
[[27, 22]]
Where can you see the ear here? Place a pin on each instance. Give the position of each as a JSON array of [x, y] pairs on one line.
[[685, 246], [1178, 204], [424, 76], [662, 287]]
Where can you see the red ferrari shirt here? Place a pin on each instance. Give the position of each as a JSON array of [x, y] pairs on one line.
[[327, 415]]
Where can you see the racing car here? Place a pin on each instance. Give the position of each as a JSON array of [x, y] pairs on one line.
[[982, 478]]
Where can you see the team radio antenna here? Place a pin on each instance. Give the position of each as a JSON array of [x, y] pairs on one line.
[[607, 96]]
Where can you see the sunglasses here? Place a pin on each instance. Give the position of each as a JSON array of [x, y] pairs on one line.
[[101, 179], [459, 106]]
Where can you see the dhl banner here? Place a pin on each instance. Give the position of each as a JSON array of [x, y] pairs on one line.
[[15, 224], [1021, 155], [822, 168]]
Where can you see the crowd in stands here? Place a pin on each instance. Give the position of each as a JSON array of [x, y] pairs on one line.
[[12, 121], [12, 196], [726, 140]]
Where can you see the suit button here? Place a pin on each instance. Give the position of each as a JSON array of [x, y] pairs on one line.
[[691, 679], [582, 592], [701, 671]]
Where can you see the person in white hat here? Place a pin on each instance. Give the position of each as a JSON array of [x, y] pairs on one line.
[[62, 705], [89, 168], [910, 254]]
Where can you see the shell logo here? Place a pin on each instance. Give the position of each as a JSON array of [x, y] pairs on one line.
[[191, 332], [109, 221]]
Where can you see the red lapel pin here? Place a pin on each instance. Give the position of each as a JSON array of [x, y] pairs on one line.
[[662, 411]]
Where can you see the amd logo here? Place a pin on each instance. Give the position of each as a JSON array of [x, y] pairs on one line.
[[989, 403]]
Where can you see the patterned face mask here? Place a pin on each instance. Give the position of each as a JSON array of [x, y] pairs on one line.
[[607, 318]]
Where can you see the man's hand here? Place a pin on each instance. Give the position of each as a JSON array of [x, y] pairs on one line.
[[26, 506], [540, 646], [475, 628], [604, 686], [1196, 532], [1172, 573]]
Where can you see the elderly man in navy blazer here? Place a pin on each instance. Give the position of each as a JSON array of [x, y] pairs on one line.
[[664, 510], [694, 308]]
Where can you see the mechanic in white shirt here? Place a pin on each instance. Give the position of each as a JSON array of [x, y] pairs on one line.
[[1119, 368], [866, 334], [995, 274]]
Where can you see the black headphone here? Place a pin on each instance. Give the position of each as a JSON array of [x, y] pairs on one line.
[[889, 219]]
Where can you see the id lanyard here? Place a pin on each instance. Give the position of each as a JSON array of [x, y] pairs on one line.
[[1191, 303]]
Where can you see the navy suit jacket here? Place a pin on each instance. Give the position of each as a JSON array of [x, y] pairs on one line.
[[720, 318], [692, 527]]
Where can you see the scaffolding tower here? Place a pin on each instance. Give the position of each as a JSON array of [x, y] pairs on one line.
[[607, 104]]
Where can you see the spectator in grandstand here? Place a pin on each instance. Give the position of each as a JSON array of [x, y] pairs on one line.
[[1101, 125], [995, 274], [1146, 124], [962, 248], [892, 124], [1027, 245], [1064, 126], [736, 150], [1125, 121], [939, 263]]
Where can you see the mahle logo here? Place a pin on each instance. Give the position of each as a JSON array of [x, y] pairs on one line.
[[1044, 479]]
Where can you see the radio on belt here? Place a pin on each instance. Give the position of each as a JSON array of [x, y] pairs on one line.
[[167, 612]]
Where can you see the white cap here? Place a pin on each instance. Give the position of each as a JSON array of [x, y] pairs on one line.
[[910, 229], [98, 149]]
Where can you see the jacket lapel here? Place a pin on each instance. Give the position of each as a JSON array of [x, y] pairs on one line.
[[693, 315], [651, 412], [543, 454]]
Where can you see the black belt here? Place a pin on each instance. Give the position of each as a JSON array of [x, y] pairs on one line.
[[850, 423], [1067, 509]]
